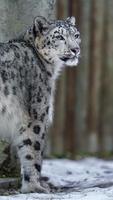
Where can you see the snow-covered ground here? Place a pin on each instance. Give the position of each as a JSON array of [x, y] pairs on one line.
[[86, 179]]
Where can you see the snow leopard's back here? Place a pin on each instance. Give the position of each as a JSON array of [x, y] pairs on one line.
[[19, 73]]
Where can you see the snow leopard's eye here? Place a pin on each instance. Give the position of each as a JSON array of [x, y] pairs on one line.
[[60, 37], [77, 35]]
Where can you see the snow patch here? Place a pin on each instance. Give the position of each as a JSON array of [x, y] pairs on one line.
[[86, 179]]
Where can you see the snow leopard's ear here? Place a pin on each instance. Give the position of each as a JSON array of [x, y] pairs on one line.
[[40, 25], [71, 20]]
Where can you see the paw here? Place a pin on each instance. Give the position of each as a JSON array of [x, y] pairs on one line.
[[45, 185], [37, 187]]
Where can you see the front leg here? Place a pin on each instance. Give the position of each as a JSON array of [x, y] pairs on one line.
[[30, 150]]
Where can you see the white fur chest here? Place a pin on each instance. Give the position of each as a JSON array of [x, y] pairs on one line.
[[51, 110]]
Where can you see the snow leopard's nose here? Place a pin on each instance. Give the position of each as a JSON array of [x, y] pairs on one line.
[[76, 51]]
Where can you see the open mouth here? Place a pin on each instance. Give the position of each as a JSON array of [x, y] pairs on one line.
[[65, 59]]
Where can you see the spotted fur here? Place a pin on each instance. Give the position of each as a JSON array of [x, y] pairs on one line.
[[29, 66]]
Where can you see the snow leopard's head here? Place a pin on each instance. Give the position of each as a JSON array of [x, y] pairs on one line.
[[57, 41]]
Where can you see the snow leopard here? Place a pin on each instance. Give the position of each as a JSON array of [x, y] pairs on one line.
[[29, 67]]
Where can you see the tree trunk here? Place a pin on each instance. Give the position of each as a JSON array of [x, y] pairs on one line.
[[106, 96], [81, 86], [95, 72]]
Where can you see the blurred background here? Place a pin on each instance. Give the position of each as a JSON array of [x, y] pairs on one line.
[[83, 120], [83, 117]]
